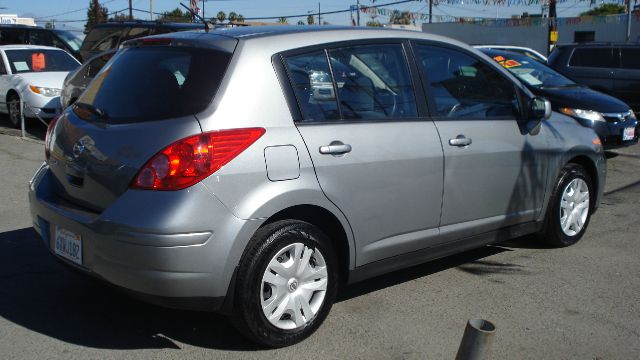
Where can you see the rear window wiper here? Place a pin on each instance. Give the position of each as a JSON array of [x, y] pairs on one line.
[[84, 111]]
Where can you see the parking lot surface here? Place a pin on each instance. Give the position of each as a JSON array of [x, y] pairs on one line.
[[580, 302]]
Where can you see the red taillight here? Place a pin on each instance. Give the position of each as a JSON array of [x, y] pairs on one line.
[[47, 137], [187, 161]]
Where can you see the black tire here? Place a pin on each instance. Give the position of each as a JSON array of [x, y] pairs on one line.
[[268, 242], [553, 233], [13, 108]]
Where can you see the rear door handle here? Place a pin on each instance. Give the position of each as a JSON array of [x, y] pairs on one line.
[[460, 141], [335, 148]]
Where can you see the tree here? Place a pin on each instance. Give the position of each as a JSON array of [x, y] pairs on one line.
[[96, 14], [240, 18], [310, 20], [283, 20], [176, 15], [121, 17], [300, 22], [605, 9], [233, 16], [49, 25], [221, 16]]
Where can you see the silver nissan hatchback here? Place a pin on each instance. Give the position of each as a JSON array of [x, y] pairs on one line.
[[250, 171]]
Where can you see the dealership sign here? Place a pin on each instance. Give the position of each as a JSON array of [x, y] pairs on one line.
[[8, 19]]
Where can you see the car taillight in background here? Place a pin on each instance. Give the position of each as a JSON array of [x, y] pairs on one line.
[[47, 137], [188, 161]]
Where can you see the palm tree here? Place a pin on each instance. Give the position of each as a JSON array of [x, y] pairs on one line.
[[240, 18], [300, 22], [283, 20], [221, 16], [233, 16], [310, 20]]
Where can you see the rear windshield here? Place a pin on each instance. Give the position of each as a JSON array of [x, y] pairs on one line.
[[40, 60], [156, 82]]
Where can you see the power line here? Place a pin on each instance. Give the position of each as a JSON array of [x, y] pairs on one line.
[[70, 12], [328, 12]]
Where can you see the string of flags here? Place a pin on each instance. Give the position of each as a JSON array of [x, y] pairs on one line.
[[529, 21]]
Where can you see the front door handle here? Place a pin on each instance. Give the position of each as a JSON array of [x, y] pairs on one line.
[[335, 148], [460, 141]]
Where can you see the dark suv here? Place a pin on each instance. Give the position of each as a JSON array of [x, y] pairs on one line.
[[108, 36], [610, 68], [33, 35]]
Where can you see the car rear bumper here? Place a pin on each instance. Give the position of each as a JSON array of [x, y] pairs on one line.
[[160, 261]]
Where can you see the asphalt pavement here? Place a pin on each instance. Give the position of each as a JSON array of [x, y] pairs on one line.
[[580, 302]]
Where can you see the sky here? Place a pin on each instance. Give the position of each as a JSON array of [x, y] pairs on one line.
[[71, 14]]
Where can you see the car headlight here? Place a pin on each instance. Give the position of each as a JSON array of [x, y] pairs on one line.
[[49, 92], [583, 114]]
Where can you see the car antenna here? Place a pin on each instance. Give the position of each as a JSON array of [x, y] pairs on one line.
[[194, 14]]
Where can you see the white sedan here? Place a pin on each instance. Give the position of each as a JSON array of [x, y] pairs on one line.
[[33, 74]]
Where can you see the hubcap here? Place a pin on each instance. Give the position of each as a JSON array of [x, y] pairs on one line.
[[574, 207], [293, 286]]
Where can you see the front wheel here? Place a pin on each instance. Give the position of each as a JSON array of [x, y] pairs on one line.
[[569, 209], [286, 284], [13, 106]]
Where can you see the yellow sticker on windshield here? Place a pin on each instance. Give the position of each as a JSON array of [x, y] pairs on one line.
[[506, 63], [511, 63]]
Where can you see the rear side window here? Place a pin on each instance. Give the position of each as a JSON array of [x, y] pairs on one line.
[[156, 82], [463, 87], [102, 39], [311, 80], [12, 36], [366, 82], [630, 58], [594, 57], [373, 82]]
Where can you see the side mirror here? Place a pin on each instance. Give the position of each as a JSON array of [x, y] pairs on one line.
[[539, 108]]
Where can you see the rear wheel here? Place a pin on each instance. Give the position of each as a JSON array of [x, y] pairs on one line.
[[287, 282], [569, 210], [13, 106]]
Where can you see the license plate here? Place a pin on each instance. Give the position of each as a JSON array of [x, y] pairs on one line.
[[68, 245], [628, 133]]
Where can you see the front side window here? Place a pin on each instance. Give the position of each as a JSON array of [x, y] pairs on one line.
[[594, 57], [630, 58], [38, 37], [40, 60], [464, 87], [72, 41]]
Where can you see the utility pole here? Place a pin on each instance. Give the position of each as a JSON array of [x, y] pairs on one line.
[[319, 15], [553, 26], [430, 10], [151, 8], [203, 1], [358, 13], [130, 10]]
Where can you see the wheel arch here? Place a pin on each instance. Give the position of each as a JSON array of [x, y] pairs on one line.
[[328, 223], [591, 170]]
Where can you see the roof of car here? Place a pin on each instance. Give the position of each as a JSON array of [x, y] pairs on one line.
[[142, 23], [598, 44], [301, 33], [28, 47]]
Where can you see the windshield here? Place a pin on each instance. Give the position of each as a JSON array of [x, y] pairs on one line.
[[530, 71], [73, 41], [155, 82], [40, 60]]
